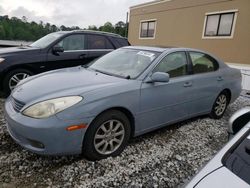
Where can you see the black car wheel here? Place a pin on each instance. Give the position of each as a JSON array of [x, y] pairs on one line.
[[107, 135], [220, 105], [13, 78]]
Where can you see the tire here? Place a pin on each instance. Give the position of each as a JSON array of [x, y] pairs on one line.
[[9, 82], [220, 105], [97, 143]]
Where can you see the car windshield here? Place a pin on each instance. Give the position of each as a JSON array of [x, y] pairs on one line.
[[127, 63], [46, 40]]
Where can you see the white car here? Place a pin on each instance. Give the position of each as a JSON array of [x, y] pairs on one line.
[[230, 168]]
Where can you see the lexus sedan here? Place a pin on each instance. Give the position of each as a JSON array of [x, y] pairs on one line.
[[54, 51], [126, 93], [231, 166]]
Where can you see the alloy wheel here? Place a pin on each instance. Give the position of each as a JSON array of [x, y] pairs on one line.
[[221, 104], [109, 137], [16, 78]]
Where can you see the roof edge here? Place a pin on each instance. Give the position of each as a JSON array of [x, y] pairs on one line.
[[93, 31], [148, 4]]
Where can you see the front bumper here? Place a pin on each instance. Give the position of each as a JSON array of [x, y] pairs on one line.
[[45, 136]]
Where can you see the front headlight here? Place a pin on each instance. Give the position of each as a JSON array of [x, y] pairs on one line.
[[48, 108], [1, 60]]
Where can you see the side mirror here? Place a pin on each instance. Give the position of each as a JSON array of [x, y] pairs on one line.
[[238, 120], [57, 49], [159, 77]]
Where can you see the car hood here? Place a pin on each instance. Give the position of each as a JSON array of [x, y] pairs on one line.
[[16, 50], [62, 82], [221, 177], [214, 173]]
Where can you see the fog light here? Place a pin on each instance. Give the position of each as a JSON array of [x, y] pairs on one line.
[[36, 144]]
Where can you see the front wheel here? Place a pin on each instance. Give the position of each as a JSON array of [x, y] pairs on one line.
[[13, 78], [107, 135], [220, 106]]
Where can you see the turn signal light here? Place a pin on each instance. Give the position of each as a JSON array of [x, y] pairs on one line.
[[76, 127]]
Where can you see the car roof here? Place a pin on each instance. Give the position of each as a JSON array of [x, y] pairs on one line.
[[162, 49], [149, 48], [92, 32]]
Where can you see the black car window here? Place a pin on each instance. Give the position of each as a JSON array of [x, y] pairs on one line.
[[237, 159], [46, 40], [122, 41], [202, 63], [175, 64], [99, 42], [73, 42]]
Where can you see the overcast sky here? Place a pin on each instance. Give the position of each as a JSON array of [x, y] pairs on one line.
[[80, 13]]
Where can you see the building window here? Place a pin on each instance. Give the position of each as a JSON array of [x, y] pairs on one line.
[[219, 24], [147, 29]]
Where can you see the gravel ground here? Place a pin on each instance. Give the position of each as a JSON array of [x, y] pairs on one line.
[[164, 158]]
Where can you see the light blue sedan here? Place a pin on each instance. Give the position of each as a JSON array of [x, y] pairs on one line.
[[126, 93]]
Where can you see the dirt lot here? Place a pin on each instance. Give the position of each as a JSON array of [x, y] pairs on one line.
[[164, 158]]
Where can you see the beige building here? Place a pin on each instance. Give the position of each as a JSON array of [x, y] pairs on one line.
[[221, 27]]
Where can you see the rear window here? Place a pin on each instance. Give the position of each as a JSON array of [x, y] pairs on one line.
[[99, 42], [203, 63], [119, 42], [122, 42]]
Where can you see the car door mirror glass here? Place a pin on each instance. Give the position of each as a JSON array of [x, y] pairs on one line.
[[57, 49], [160, 77], [238, 120]]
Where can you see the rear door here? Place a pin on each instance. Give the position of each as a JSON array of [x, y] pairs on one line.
[[97, 46], [206, 81], [74, 53]]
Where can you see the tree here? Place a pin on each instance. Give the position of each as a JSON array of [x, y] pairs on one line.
[[107, 27], [75, 28], [2, 32], [48, 27], [93, 27], [63, 28], [20, 29], [24, 19], [120, 28], [54, 28]]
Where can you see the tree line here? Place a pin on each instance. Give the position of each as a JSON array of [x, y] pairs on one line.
[[20, 29]]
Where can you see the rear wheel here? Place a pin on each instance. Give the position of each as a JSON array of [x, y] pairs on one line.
[[13, 78], [220, 105], [107, 135]]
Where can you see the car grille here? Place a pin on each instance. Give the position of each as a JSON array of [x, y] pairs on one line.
[[17, 105]]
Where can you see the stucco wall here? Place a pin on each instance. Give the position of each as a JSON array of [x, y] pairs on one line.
[[180, 23]]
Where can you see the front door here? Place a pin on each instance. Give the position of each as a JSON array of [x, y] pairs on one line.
[[163, 103], [74, 53]]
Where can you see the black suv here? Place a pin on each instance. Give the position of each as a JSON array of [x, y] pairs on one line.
[[54, 51]]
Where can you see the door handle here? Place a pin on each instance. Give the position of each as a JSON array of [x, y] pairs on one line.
[[219, 78], [82, 56], [187, 84]]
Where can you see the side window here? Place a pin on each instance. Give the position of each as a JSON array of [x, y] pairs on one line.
[[122, 41], [202, 63], [73, 42], [175, 64], [99, 42]]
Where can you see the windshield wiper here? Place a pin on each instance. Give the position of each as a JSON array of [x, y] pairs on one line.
[[103, 72], [110, 74], [128, 77]]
